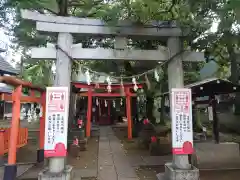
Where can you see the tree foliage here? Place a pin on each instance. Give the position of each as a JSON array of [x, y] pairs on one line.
[[196, 15]]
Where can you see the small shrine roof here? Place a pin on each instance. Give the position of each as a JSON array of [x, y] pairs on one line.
[[212, 86]]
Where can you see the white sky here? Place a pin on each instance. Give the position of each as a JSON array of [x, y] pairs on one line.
[[10, 55]]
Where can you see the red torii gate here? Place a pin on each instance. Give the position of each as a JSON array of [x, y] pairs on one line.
[[16, 97], [128, 94]]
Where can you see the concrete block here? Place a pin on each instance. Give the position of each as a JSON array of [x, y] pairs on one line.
[[67, 174], [160, 176], [211, 152], [179, 174], [136, 161]]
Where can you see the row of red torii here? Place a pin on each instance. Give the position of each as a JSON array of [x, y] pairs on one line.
[[127, 87]]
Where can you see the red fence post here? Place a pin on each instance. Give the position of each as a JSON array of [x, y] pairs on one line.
[[11, 167], [2, 147], [89, 113], [129, 116]]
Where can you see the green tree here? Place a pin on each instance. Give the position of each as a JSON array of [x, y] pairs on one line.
[[223, 43], [198, 16], [189, 13]]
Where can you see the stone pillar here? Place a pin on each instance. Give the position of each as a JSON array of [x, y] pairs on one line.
[[179, 169], [57, 169], [175, 80]]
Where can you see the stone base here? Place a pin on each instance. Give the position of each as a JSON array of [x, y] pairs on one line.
[[67, 174], [74, 150], [10, 172], [178, 174], [83, 144], [40, 155], [209, 152]]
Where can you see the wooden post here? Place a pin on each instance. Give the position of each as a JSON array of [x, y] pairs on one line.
[[213, 103], [99, 108], [129, 116], [89, 113], [11, 168], [40, 154], [32, 93]]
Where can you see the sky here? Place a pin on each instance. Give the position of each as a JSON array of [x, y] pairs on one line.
[[10, 54]]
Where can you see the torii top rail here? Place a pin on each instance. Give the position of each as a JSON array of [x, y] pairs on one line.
[[128, 94]]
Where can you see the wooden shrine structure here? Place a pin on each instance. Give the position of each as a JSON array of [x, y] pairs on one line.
[[6, 95], [17, 97], [211, 87], [127, 88]]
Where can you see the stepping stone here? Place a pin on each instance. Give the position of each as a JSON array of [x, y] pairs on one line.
[[107, 173], [85, 173]]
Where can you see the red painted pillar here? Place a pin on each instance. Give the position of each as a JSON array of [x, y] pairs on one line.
[[14, 125], [129, 116], [40, 153], [11, 167], [89, 113], [32, 93]]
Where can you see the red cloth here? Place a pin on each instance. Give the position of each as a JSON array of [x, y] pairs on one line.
[[145, 121], [80, 122], [75, 142], [153, 139]]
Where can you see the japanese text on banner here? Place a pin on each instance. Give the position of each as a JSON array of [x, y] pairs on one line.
[[182, 138], [56, 121]]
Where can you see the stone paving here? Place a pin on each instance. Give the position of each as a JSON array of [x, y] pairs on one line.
[[113, 164], [148, 161]]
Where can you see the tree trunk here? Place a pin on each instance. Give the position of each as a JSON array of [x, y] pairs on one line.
[[164, 88], [150, 107], [162, 113], [234, 76], [72, 102], [63, 7]]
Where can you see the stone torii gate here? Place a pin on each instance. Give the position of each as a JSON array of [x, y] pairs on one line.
[[66, 51]]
